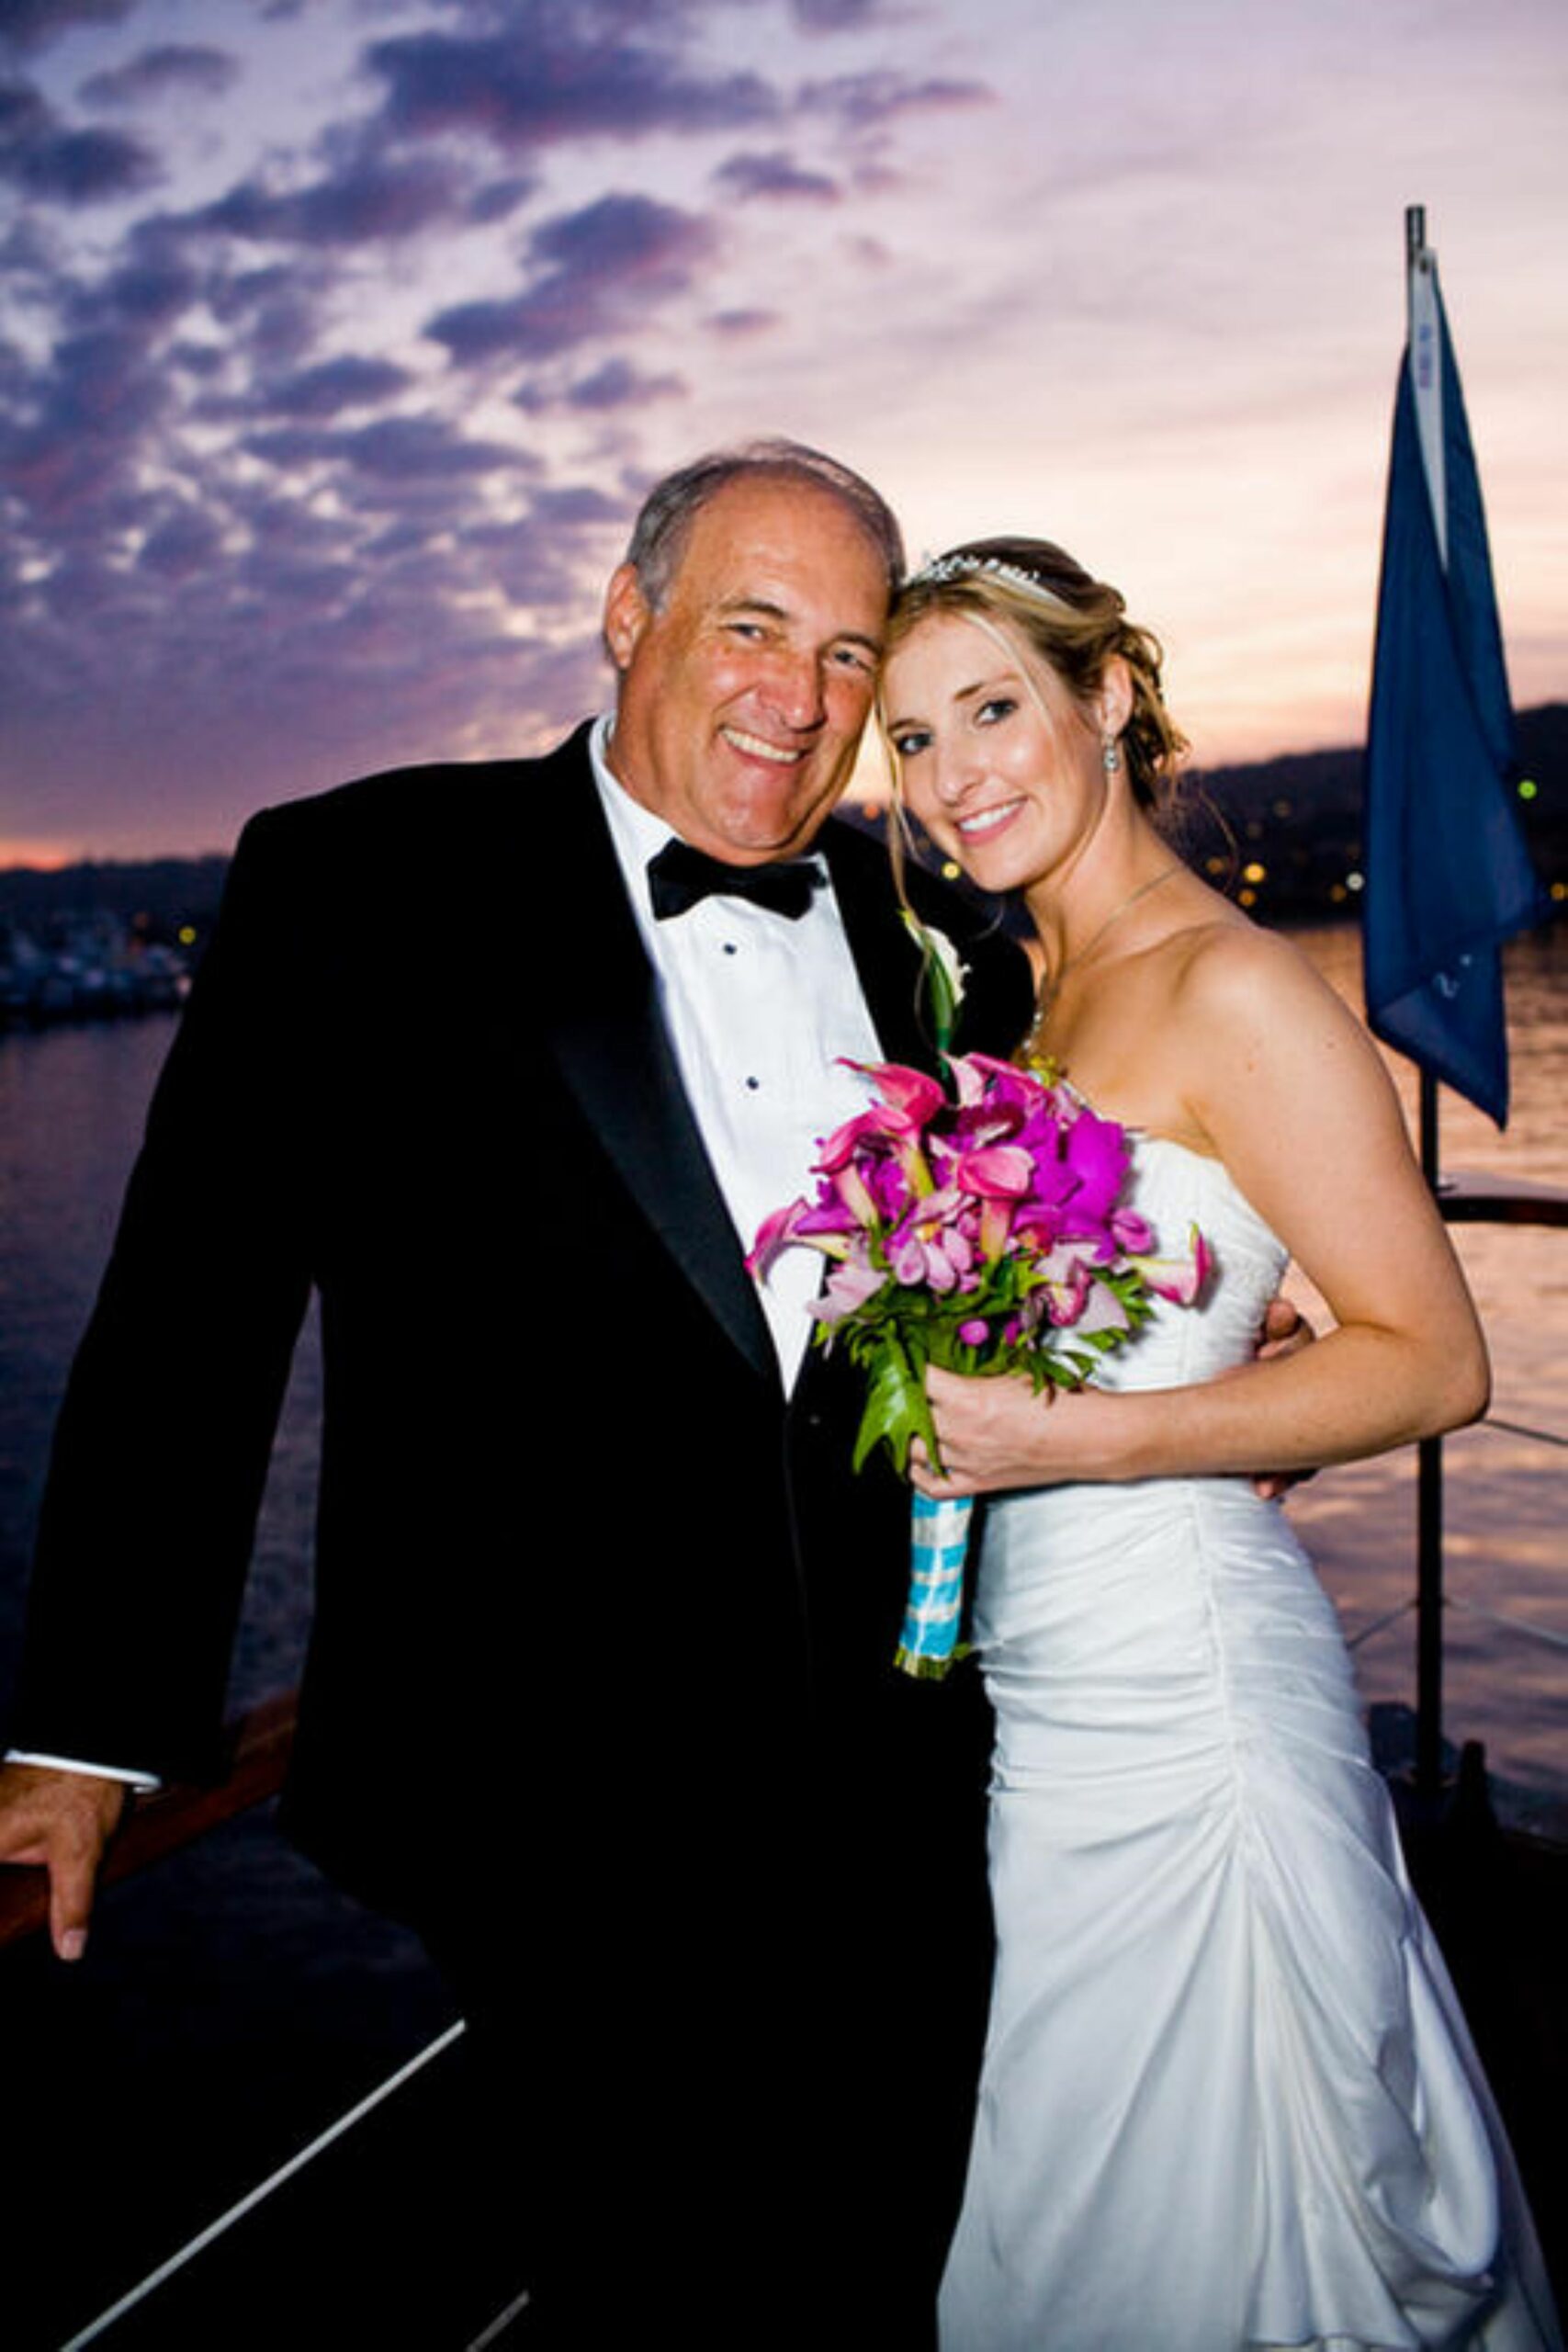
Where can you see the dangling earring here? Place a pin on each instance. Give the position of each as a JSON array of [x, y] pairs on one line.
[[1111, 756]]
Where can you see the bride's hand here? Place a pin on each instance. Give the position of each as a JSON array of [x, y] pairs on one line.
[[998, 1433]]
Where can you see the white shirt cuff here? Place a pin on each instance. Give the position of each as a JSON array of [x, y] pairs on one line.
[[143, 1782]]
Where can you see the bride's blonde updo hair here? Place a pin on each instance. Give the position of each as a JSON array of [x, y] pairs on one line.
[[1072, 624]]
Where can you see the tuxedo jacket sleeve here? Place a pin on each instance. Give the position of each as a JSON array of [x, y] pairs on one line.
[[568, 1538]]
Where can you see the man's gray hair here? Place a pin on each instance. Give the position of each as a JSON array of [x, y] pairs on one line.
[[663, 526]]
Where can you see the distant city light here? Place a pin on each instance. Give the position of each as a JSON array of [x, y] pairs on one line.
[[187, 934], [1560, 890], [1527, 787], [1247, 898], [1255, 873], [1355, 881]]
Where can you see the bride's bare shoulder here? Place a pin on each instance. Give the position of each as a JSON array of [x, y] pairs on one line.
[[1264, 1044], [1228, 971]]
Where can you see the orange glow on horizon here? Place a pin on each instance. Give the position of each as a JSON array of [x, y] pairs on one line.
[[44, 857]]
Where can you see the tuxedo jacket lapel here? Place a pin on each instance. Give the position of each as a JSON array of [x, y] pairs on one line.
[[887, 959], [613, 1050]]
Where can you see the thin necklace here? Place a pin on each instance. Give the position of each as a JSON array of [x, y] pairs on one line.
[[1050, 985]]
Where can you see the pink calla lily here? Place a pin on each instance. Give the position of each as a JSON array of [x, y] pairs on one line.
[[1001, 1171], [1180, 1280]]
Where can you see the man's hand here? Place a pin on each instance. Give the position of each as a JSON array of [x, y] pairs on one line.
[[62, 1821], [1285, 1329]]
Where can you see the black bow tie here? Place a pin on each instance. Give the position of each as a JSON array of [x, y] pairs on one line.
[[680, 875]]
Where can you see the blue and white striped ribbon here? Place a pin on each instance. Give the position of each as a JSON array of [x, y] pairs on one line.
[[939, 1546]]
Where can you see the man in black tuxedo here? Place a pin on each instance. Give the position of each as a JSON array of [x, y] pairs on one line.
[[599, 1692]]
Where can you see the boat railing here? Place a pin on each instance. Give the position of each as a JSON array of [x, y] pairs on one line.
[[1464, 1198]]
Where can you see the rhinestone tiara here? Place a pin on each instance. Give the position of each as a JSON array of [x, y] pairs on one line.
[[965, 567]]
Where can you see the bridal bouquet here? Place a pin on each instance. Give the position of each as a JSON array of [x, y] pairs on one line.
[[979, 1231]]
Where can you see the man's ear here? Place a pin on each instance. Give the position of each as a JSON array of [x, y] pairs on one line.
[[627, 615]]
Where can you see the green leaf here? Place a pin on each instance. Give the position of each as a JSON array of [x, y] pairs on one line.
[[895, 1406]]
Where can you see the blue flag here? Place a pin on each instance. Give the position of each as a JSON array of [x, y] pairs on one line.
[[1448, 877]]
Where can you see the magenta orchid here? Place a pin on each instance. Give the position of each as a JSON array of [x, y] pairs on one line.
[[972, 1231], [982, 1231]]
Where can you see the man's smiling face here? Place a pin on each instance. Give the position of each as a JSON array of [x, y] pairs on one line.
[[743, 695]]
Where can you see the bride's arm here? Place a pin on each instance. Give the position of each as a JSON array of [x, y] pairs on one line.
[[1284, 1086]]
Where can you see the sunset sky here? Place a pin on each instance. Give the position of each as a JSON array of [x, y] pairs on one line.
[[341, 337]]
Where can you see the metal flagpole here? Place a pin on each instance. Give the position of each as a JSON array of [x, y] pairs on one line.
[[1430, 1453]]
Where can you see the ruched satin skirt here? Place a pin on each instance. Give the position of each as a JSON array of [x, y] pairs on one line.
[[1228, 2098]]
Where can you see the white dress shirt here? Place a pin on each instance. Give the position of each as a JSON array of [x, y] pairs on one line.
[[761, 1010]]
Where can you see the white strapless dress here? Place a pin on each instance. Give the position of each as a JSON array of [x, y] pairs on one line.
[[1228, 2099]]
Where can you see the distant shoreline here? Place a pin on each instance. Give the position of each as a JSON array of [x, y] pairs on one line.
[[1281, 836]]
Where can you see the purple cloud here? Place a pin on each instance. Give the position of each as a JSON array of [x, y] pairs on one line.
[[498, 198], [527, 327], [744, 321], [555, 82], [255, 300], [74, 428], [76, 166], [839, 15], [617, 384], [370, 201], [393, 448], [866, 101], [622, 238], [150, 284], [540, 570], [292, 448], [204, 360], [774, 175], [574, 504], [416, 446], [620, 253], [183, 548], [68, 444], [333, 385], [28, 252], [32, 24], [175, 66]]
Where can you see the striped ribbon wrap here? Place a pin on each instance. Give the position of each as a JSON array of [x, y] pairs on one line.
[[939, 1547]]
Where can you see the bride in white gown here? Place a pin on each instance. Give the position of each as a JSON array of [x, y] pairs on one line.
[[1228, 2099]]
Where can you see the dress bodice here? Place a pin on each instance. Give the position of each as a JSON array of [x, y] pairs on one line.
[[1177, 1189]]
